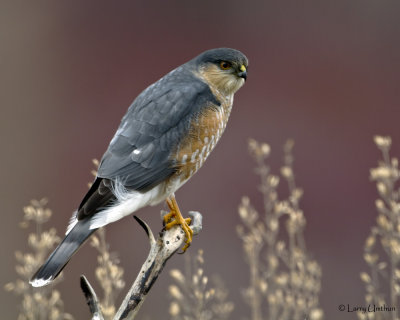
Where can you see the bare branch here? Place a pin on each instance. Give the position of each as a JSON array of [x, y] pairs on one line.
[[168, 242], [91, 299]]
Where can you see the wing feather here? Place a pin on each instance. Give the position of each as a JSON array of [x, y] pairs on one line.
[[139, 154]]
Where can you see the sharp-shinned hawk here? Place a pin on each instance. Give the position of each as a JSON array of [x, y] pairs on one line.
[[163, 139]]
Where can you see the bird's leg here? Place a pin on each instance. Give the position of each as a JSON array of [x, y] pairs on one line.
[[168, 217], [174, 217]]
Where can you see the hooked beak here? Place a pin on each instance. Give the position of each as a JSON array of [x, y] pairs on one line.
[[243, 74]]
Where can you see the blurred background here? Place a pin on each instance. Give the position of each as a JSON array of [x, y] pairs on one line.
[[325, 73]]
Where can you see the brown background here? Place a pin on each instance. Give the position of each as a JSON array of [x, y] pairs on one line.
[[325, 73]]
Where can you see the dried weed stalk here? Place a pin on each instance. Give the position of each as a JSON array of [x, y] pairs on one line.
[[37, 303], [284, 281], [384, 238], [108, 274], [191, 297], [45, 303]]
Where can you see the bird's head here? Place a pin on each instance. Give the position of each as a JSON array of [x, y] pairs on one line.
[[223, 68]]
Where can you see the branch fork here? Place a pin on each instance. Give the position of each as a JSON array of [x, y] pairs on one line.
[[161, 249]]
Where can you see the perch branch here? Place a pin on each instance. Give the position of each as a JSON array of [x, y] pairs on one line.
[[168, 242]]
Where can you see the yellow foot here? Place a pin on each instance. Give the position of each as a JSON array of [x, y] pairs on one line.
[[174, 217]]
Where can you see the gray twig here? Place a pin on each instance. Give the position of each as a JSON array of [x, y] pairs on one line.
[[168, 242], [91, 299]]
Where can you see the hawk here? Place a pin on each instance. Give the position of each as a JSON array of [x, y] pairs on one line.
[[164, 138]]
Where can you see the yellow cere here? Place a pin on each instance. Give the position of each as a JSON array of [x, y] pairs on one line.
[[242, 68]]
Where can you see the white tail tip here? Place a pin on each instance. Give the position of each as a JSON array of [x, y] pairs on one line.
[[40, 282]]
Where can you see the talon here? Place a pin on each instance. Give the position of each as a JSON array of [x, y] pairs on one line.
[[185, 247], [179, 220]]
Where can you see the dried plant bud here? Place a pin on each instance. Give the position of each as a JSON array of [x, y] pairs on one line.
[[382, 265], [257, 150], [96, 164], [273, 181], [280, 246], [94, 241], [177, 275], [365, 277], [282, 207], [382, 173], [395, 162], [253, 145], [382, 189], [297, 194], [313, 268], [263, 286], [273, 262], [370, 242], [175, 292], [247, 212], [199, 257], [383, 142], [395, 208], [287, 172], [265, 149], [174, 309], [209, 294], [371, 259], [384, 223], [316, 314], [273, 224], [380, 205], [282, 279], [397, 289], [243, 213], [9, 286]]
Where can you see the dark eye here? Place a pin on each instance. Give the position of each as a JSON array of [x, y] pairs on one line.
[[225, 65]]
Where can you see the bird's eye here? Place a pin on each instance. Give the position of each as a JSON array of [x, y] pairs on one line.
[[225, 65]]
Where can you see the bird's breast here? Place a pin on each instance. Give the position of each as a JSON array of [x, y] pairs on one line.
[[205, 130]]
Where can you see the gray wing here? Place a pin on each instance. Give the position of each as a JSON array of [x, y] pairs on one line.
[[155, 123]]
